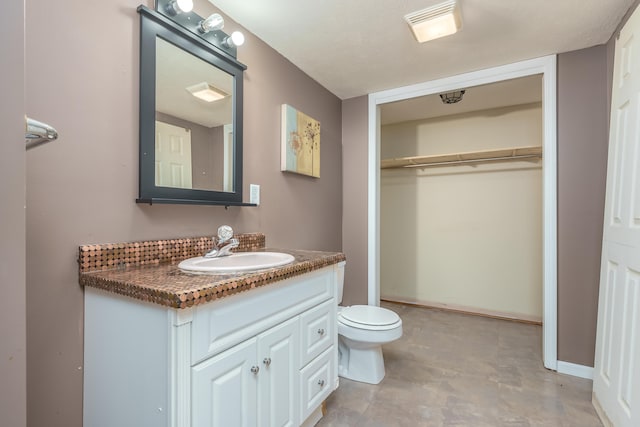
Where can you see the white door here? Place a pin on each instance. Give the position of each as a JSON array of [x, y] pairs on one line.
[[173, 156], [278, 355], [227, 383], [616, 383]]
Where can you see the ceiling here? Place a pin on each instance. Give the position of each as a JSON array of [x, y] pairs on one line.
[[177, 70], [358, 47], [524, 90]]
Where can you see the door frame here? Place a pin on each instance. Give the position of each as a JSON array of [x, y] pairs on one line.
[[546, 66]]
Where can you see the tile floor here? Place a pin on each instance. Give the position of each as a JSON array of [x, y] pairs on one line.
[[452, 369]]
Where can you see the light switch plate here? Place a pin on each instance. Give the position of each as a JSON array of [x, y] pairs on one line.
[[254, 194]]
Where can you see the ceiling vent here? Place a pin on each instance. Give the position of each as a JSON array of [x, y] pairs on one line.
[[436, 21]]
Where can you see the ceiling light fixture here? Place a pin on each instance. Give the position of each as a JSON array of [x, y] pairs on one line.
[[452, 97], [214, 22], [176, 7], [235, 39], [436, 21], [207, 92]]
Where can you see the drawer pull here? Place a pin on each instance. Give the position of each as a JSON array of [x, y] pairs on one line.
[[321, 383], [321, 331], [255, 369], [267, 361]]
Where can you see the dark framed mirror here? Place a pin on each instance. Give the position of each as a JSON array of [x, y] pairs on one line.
[[190, 117]]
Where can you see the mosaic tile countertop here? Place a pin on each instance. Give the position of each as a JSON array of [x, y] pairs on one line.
[[140, 270]]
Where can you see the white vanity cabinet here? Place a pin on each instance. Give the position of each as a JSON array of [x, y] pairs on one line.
[[265, 357], [255, 382]]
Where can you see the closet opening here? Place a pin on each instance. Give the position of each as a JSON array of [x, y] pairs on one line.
[[461, 201], [464, 195]]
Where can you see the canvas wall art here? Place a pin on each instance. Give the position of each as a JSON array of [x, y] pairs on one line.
[[300, 143]]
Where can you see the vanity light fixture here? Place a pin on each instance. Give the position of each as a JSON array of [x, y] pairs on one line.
[[436, 21], [452, 97], [235, 39], [176, 7], [214, 22], [209, 28], [207, 92]]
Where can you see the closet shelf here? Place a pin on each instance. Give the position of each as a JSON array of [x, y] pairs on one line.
[[501, 155]]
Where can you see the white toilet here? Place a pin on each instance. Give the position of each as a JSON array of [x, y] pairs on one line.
[[362, 329]]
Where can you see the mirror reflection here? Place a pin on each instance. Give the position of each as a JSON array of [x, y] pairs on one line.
[[194, 122]]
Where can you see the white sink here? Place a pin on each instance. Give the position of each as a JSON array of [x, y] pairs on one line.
[[240, 261]]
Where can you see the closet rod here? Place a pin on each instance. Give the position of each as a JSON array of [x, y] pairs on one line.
[[461, 162], [505, 154]]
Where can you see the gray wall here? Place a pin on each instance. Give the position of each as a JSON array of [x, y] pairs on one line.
[[82, 189], [13, 374], [355, 161], [583, 136]]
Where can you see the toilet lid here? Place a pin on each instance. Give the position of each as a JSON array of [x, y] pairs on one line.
[[369, 315]]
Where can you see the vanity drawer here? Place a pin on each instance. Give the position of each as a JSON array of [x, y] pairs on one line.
[[221, 324], [316, 382], [317, 327]]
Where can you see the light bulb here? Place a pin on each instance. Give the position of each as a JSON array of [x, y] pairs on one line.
[[235, 39], [212, 23], [185, 5], [176, 7]]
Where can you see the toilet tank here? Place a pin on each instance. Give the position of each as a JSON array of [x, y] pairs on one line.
[[340, 280]]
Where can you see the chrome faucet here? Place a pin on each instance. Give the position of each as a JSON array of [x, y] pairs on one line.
[[223, 243]]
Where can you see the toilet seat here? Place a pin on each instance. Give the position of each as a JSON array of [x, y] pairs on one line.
[[369, 317]]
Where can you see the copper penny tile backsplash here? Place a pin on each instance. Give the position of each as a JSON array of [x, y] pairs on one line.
[[148, 270], [123, 255]]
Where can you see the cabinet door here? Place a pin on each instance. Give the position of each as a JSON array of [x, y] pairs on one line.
[[278, 393], [224, 388]]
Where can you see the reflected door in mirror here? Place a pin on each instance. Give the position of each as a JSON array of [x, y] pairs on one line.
[[173, 156]]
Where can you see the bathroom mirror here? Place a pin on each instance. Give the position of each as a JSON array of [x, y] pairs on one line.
[[190, 117]]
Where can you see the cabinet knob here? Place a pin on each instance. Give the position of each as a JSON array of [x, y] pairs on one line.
[[255, 369], [267, 361], [321, 331], [321, 383]]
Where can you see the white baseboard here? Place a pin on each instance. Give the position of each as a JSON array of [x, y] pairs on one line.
[[575, 370], [465, 309]]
